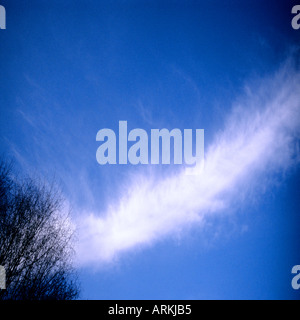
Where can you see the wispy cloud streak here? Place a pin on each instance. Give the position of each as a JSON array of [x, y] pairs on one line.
[[257, 139]]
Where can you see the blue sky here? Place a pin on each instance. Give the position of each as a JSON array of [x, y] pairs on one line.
[[150, 232]]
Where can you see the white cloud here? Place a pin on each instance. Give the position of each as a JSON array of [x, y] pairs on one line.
[[257, 139]]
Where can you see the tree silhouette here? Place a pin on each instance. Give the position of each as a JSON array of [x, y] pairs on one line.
[[36, 239]]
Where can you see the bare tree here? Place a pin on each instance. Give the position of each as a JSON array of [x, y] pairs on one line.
[[36, 239]]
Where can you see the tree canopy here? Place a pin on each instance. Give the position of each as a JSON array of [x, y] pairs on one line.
[[36, 240]]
